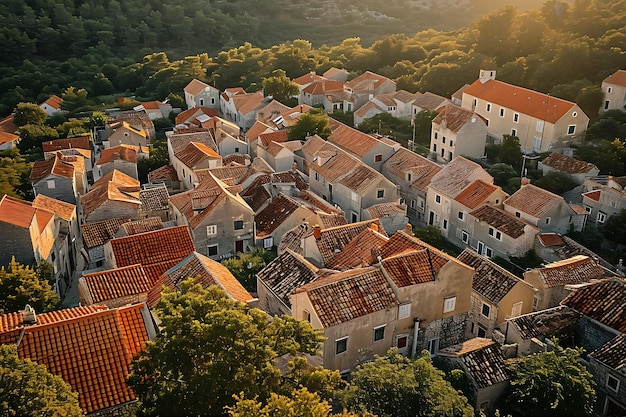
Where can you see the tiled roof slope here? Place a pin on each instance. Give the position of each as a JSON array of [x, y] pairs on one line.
[[367, 82], [352, 140], [362, 250], [603, 301], [98, 233], [617, 78], [344, 296], [92, 352], [53, 166], [115, 186], [274, 214], [287, 272], [547, 323], [476, 194], [142, 226], [179, 140], [501, 220], [401, 242], [613, 353], [483, 360], [166, 172], [154, 199], [60, 208], [421, 169], [15, 320], [455, 177], [490, 280], [115, 153], [533, 200], [206, 271], [194, 153], [153, 247], [195, 87], [413, 267], [567, 164], [336, 238], [575, 270], [81, 142], [21, 213], [538, 105], [116, 284], [454, 117], [430, 101]]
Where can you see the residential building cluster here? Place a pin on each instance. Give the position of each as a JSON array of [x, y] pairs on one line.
[[339, 212]]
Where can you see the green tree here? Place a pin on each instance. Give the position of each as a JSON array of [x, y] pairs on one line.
[[29, 113], [511, 152], [245, 266], [313, 122], [20, 285], [501, 173], [551, 384], [28, 389], [210, 348], [613, 228], [73, 98], [423, 126], [97, 118], [280, 87], [397, 386], [556, 182], [15, 175], [429, 234], [176, 101]]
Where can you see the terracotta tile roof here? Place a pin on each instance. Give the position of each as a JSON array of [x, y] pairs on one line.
[[308, 78], [18, 212], [62, 209], [195, 153], [256, 198], [152, 247], [155, 271], [8, 125], [166, 172], [334, 71], [367, 82], [361, 179], [352, 140], [593, 195], [274, 214], [330, 220], [323, 86], [206, 271], [490, 280], [343, 296], [53, 101], [142, 226], [245, 103], [278, 136], [575, 270], [15, 320], [98, 233], [117, 153], [401, 242], [386, 210], [292, 115], [154, 199], [430, 101], [617, 78], [91, 352], [178, 141], [362, 250], [286, 177], [453, 117], [257, 128], [81, 142], [501, 220], [314, 200], [476, 194], [333, 163], [413, 267], [603, 301], [336, 238], [455, 177], [368, 107], [114, 284], [271, 111], [533, 200], [115, 186], [519, 99], [195, 87], [578, 209], [239, 158], [53, 166], [549, 323], [421, 169], [6, 137], [483, 360], [567, 164], [224, 173], [550, 239], [613, 353]]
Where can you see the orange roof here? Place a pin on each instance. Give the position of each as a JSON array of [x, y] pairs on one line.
[[91, 350], [117, 153], [81, 142], [193, 113], [245, 103], [54, 102], [617, 78], [195, 87], [550, 239], [152, 247], [53, 166], [113, 186], [15, 320], [8, 125], [195, 153], [567, 164], [321, 87], [206, 271], [115, 284], [533, 200], [352, 140], [6, 137], [278, 136], [16, 212], [151, 105], [360, 251], [455, 117], [98, 233], [366, 82], [166, 172], [538, 105], [593, 195], [413, 267], [257, 128], [308, 78], [476, 194], [60, 208]]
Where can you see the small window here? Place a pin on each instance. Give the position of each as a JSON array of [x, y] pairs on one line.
[[443, 140], [433, 346], [482, 332], [434, 147], [437, 199], [601, 217], [354, 196], [518, 214], [341, 345], [498, 235], [539, 126], [409, 176], [50, 184], [612, 383], [501, 112], [451, 143], [317, 176], [306, 316], [487, 122], [402, 341], [571, 129], [488, 252], [436, 135], [514, 132], [354, 217], [574, 114], [404, 311], [516, 117], [444, 224], [236, 150], [211, 230], [378, 158], [380, 194], [412, 204], [488, 106], [491, 231], [379, 333], [238, 224], [268, 242], [461, 215], [330, 188], [449, 304], [588, 209], [547, 220], [212, 250], [610, 89], [465, 237], [486, 310], [475, 102], [606, 105]]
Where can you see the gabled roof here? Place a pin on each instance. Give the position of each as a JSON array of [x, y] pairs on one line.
[[343, 296], [308, 78], [120, 283], [455, 177], [194, 115], [362, 250], [274, 214], [224, 173], [278, 136], [603, 301], [271, 111], [533, 200], [53, 101], [257, 128], [194, 153], [6, 137], [178, 141], [575, 270], [22, 213], [336, 238], [62, 209], [549, 323], [617, 78], [81, 142], [458, 94], [116, 153], [206, 271], [142, 226], [114, 186], [533, 103], [8, 125], [245, 103], [413, 267], [401, 242], [593, 195], [154, 199], [293, 114], [352, 140], [455, 117], [476, 194], [98, 233], [567, 164], [501, 220], [53, 166], [483, 360], [166, 172], [242, 159], [613, 354], [430, 101], [195, 87], [421, 169], [383, 210], [490, 280], [323, 86], [367, 82], [153, 247], [16, 320], [96, 362]]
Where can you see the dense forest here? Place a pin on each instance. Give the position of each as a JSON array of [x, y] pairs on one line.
[[565, 48]]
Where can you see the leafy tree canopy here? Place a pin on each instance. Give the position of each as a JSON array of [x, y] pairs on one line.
[[280, 86], [245, 266], [429, 234], [28, 389], [20, 285], [29, 114], [556, 182], [15, 175], [313, 122], [613, 228], [211, 348]]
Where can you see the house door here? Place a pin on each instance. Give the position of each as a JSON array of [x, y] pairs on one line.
[[480, 248], [517, 309], [239, 246], [431, 218]]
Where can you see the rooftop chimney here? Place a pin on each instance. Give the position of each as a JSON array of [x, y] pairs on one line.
[[525, 181], [29, 315], [408, 229], [317, 232]]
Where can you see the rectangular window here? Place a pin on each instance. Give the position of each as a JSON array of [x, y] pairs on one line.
[[487, 122], [341, 345], [354, 196], [571, 129], [354, 217], [380, 193], [268, 242], [449, 304], [404, 311], [601, 217], [486, 310], [50, 184], [238, 224], [436, 135], [379, 333], [474, 103], [536, 143], [306, 316], [518, 214], [539, 126], [482, 332], [211, 230], [588, 209], [409, 176], [465, 237], [488, 106], [547, 220], [498, 235], [437, 199], [606, 105], [451, 143], [434, 147], [317, 176], [402, 341], [211, 250], [501, 112], [516, 117], [488, 252], [433, 346], [444, 224], [610, 89], [443, 140], [516, 309], [514, 132], [612, 383], [491, 231], [378, 158], [412, 204], [461, 215]]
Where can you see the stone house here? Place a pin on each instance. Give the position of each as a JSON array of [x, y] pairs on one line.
[[60, 177], [115, 287], [614, 89], [155, 109], [121, 158], [122, 133], [241, 108], [371, 151], [577, 169], [398, 104], [456, 131], [167, 176], [94, 236], [607, 367], [191, 158], [112, 196], [52, 105], [155, 202], [368, 85], [540, 121], [497, 295], [314, 93], [74, 146], [603, 198], [199, 94]]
